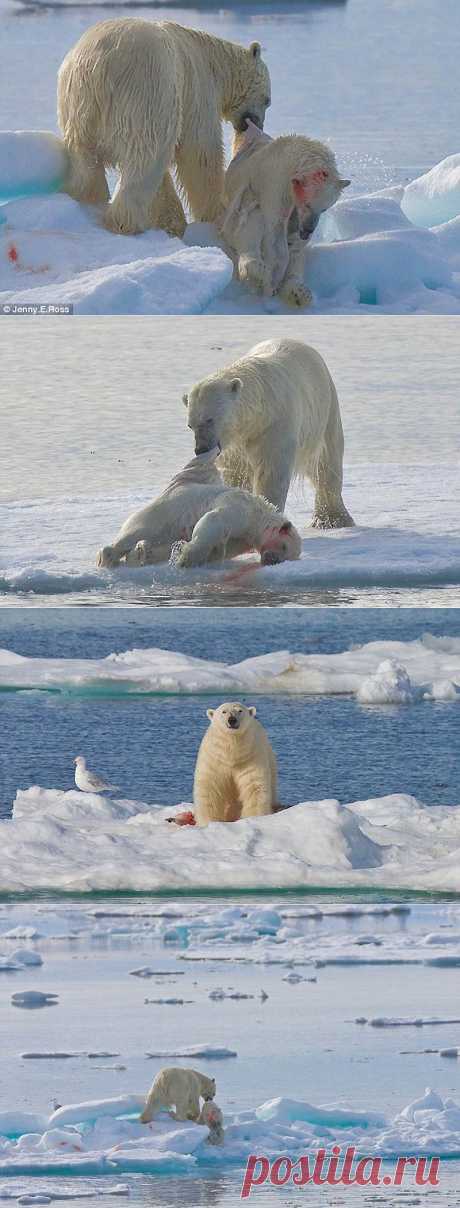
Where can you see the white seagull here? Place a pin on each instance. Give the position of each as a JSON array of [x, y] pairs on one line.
[[87, 781]]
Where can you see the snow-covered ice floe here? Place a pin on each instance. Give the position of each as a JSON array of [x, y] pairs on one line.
[[407, 534], [381, 672], [397, 250], [105, 1136], [387, 842]]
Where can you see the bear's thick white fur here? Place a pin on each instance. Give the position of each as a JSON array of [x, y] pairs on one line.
[[147, 96], [275, 191], [179, 1088], [199, 519], [275, 414], [235, 773]]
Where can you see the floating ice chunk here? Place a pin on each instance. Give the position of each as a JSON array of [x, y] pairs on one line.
[[31, 162], [92, 1109], [204, 1052], [31, 999], [449, 1052], [390, 685], [435, 197], [383, 1021], [430, 1101], [13, 1124], [283, 1111], [378, 269], [21, 933], [441, 690], [26, 956], [359, 216]]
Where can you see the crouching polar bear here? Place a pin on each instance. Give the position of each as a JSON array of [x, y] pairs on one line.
[[179, 1088], [276, 190], [275, 414], [144, 96], [198, 519], [236, 772]]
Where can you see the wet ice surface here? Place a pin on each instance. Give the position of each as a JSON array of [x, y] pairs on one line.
[[401, 476], [357, 82], [359, 1074]]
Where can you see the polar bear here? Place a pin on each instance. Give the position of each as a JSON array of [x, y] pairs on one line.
[[276, 190], [199, 519], [144, 96], [235, 773], [180, 1088], [275, 414]]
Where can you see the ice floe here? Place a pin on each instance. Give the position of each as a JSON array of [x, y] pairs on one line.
[[380, 672], [105, 1136], [395, 250], [392, 841]]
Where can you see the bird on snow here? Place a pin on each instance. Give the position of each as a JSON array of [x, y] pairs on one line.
[[87, 781]]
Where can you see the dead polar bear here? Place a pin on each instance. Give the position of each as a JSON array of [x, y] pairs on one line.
[[275, 414], [180, 1088], [209, 520], [236, 773], [142, 96], [276, 190]]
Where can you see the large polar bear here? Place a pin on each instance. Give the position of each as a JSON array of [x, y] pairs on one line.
[[144, 96], [235, 773], [275, 414], [199, 519], [179, 1088], [276, 190]]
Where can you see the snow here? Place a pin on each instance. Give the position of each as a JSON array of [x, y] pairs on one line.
[[53, 250], [393, 841], [397, 251], [376, 672], [102, 1137]]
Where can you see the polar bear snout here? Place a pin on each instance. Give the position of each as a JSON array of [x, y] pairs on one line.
[[270, 558], [241, 122], [308, 221], [233, 721]]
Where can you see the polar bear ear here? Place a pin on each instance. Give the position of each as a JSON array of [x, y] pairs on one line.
[[344, 183], [252, 710], [210, 714], [255, 50], [185, 400], [235, 386]]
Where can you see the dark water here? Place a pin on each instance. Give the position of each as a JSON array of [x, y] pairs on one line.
[[326, 746]]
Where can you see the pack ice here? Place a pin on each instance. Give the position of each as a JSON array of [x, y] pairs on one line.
[[397, 250], [104, 1137]]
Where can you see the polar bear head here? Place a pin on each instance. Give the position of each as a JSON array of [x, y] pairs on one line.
[[281, 542], [250, 92], [207, 1087], [231, 716], [315, 182], [211, 410]]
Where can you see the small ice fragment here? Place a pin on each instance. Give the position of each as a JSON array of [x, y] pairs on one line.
[[33, 998]]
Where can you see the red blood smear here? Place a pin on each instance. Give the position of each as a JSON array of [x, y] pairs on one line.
[[186, 819], [13, 253]]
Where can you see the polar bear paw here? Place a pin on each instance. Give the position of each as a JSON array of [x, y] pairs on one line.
[[295, 293], [253, 274], [332, 520]]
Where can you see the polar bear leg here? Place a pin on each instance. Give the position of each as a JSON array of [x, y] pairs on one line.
[[293, 289], [188, 1109], [209, 540], [166, 211], [255, 790], [130, 210], [201, 174], [153, 1104], [86, 180], [236, 470], [274, 466], [326, 472]]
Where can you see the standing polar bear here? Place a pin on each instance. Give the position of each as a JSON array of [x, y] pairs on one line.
[[179, 1088], [146, 96], [275, 414], [236, 773]]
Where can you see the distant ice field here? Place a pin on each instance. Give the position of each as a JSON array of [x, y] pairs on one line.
[[106, 432]]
